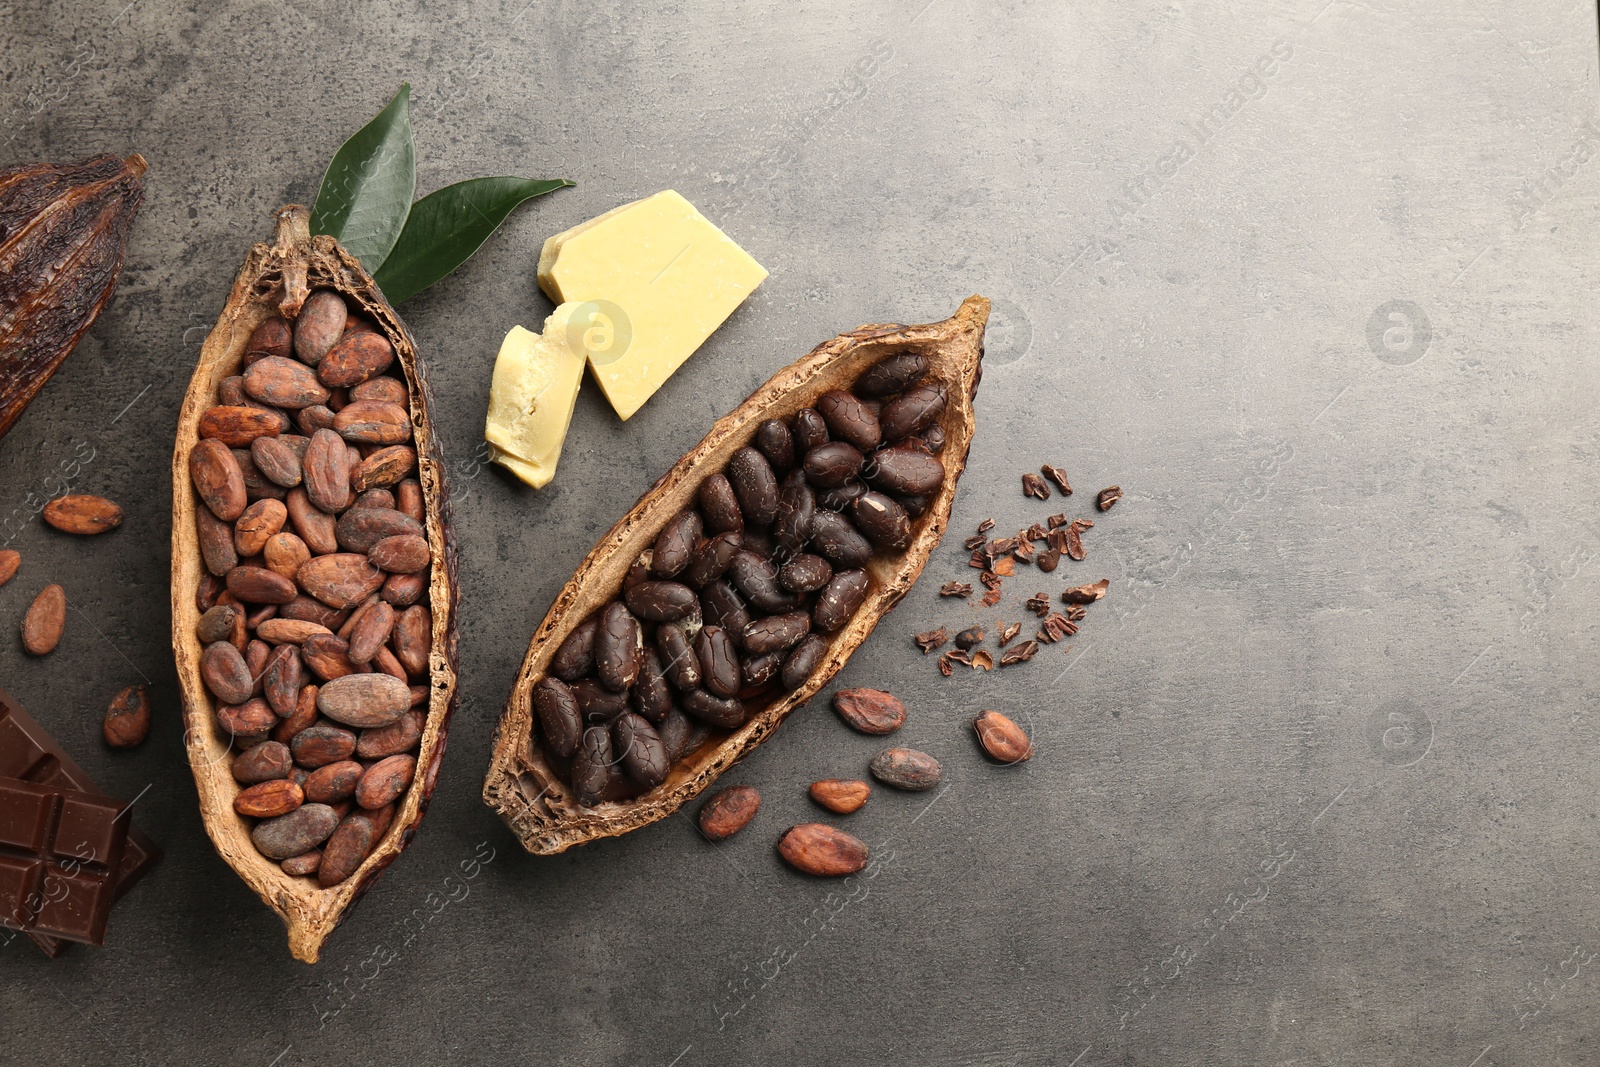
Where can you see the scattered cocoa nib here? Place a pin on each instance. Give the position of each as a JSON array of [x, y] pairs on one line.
[[956, 589], [1083, 524], [1036, 532], [1057, 540], [981, 660], [1076, 612], [1005, 566], [985, 526], [1034, 486], [1048, 559], [1107, 497], [1057, 475], [1008, 631], [990, 580], [946, 665], [931, 639], [1039, 604], [1000, 546], [958, 655], [971, 636], [975, 541], [1019, 653], [980, 559], [1057, 520], [1086, 594], [1074, 543], [1024, 550], [991, 598], [1057, 626]]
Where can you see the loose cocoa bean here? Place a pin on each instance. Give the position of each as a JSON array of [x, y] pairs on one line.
[[810, 430], [385, 467], [408, 497], [650, 695], [399, 736], [596, 703], [296, 833], [1002, 739], [82, 514], [364, 700], [906, 768], [284, 553], [719, 662], [412, 639], [264, 763], [314, 526], [775, 633], [314, 418], [258, 585], [840, 795], [318, 326], [405, 554], [127, 718], [216, 624], [385, 780], [905, 471], [371, 632], [871, 711], [268, 800], [805, 573], [305, 714], [318, 746], [822, 850], [728, 811], [837, 540], [757, 581]]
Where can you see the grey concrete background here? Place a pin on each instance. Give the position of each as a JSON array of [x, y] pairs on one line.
[[1314, 786]]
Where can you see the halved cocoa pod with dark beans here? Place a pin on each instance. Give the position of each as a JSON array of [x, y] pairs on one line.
[[738, 585], [353, 681]]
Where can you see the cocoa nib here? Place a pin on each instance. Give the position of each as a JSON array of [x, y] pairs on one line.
[[1086, 594], [1004, 566], [931, 639], [1057, 520], [1024, 550], [1074, 543], [982, 660], [1037, 532], [1056, 626], [1018, 653], [1034, 486], [1057, 475], [1107, 497], [962, 589], [991, 598], [946, 665], [1048, 559], [1039, 604], [1008, 631], [985, 526], [980, 559], [975, 541]]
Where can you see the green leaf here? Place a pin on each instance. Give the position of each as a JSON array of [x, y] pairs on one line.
[[447, 226], [367, 190]]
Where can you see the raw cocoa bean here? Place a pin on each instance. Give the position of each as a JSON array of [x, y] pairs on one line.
[[284, 553], [871, 711], [1002, 739], [271, 338], [840, 795], [216, 543], [839, 599], [305, 714], [217, 479], [268, 800], [385, 780], [755, 486], [314, 526], [617, 647], [347, 848], [408, 496], [373, 422], [318, 326], [281, 681], [320, 745], [296, 833], [257, 525], [822, 850], [127, 718], [412, 639], [299, 866], [257, 585], [82, 514], [883, 521], [327, 656], [288, 631], [407, 554], [338, 579], [314, 418], [305, 609], [404, 590], [370, 632], [719, 505], [10, 560], [278, 462], [264, 763], [253, 718], [639, 747], [284, 383], [364, 700], [802, 661], [905, 768], [354, 358], [385, 467], [729, 811], [238, 425], [374, 498], [223, 670], [674, 545], [559, 719], [256, 485], [216, 624], [849, 419], [382, 388], [399, 736], [893, 374], [326, 471], [361, 528]]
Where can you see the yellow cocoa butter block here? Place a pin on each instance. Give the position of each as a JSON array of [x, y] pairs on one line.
[[655, 278], [531, 397]]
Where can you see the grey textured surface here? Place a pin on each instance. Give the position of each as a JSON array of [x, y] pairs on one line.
[[1314, 786]]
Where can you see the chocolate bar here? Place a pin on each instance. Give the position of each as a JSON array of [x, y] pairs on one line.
[[29, 753], [59, 854]]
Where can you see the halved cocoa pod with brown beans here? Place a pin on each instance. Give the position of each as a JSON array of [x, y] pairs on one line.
[[794, 561], [354, 689]]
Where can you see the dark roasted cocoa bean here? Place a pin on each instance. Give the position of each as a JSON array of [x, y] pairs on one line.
[[906, 768], [675, 544], [836, 538], [833, 464], [892, 374], [839, 499], [726, 712], [759, 671], [679, 661], [839, 600], [596, 703], [774, 633], [777, 444], [883, 521], [757, 581], [720, 505], [797, 508], [912, 411], [639, 748], [755, 485], [805, 573], [575, 657], [719, 661], [650, 695], [721, 605], [802, 661], [560, 721], [905, 471], [728, 811], [849, 419], [591, 765], [809, 429], [676, 731], [661, 601], [710, 561], [618, 644]]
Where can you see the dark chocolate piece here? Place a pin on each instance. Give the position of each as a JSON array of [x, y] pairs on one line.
[[59, 853]]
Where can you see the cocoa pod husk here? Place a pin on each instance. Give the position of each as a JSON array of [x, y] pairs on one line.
[[63, 229]]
